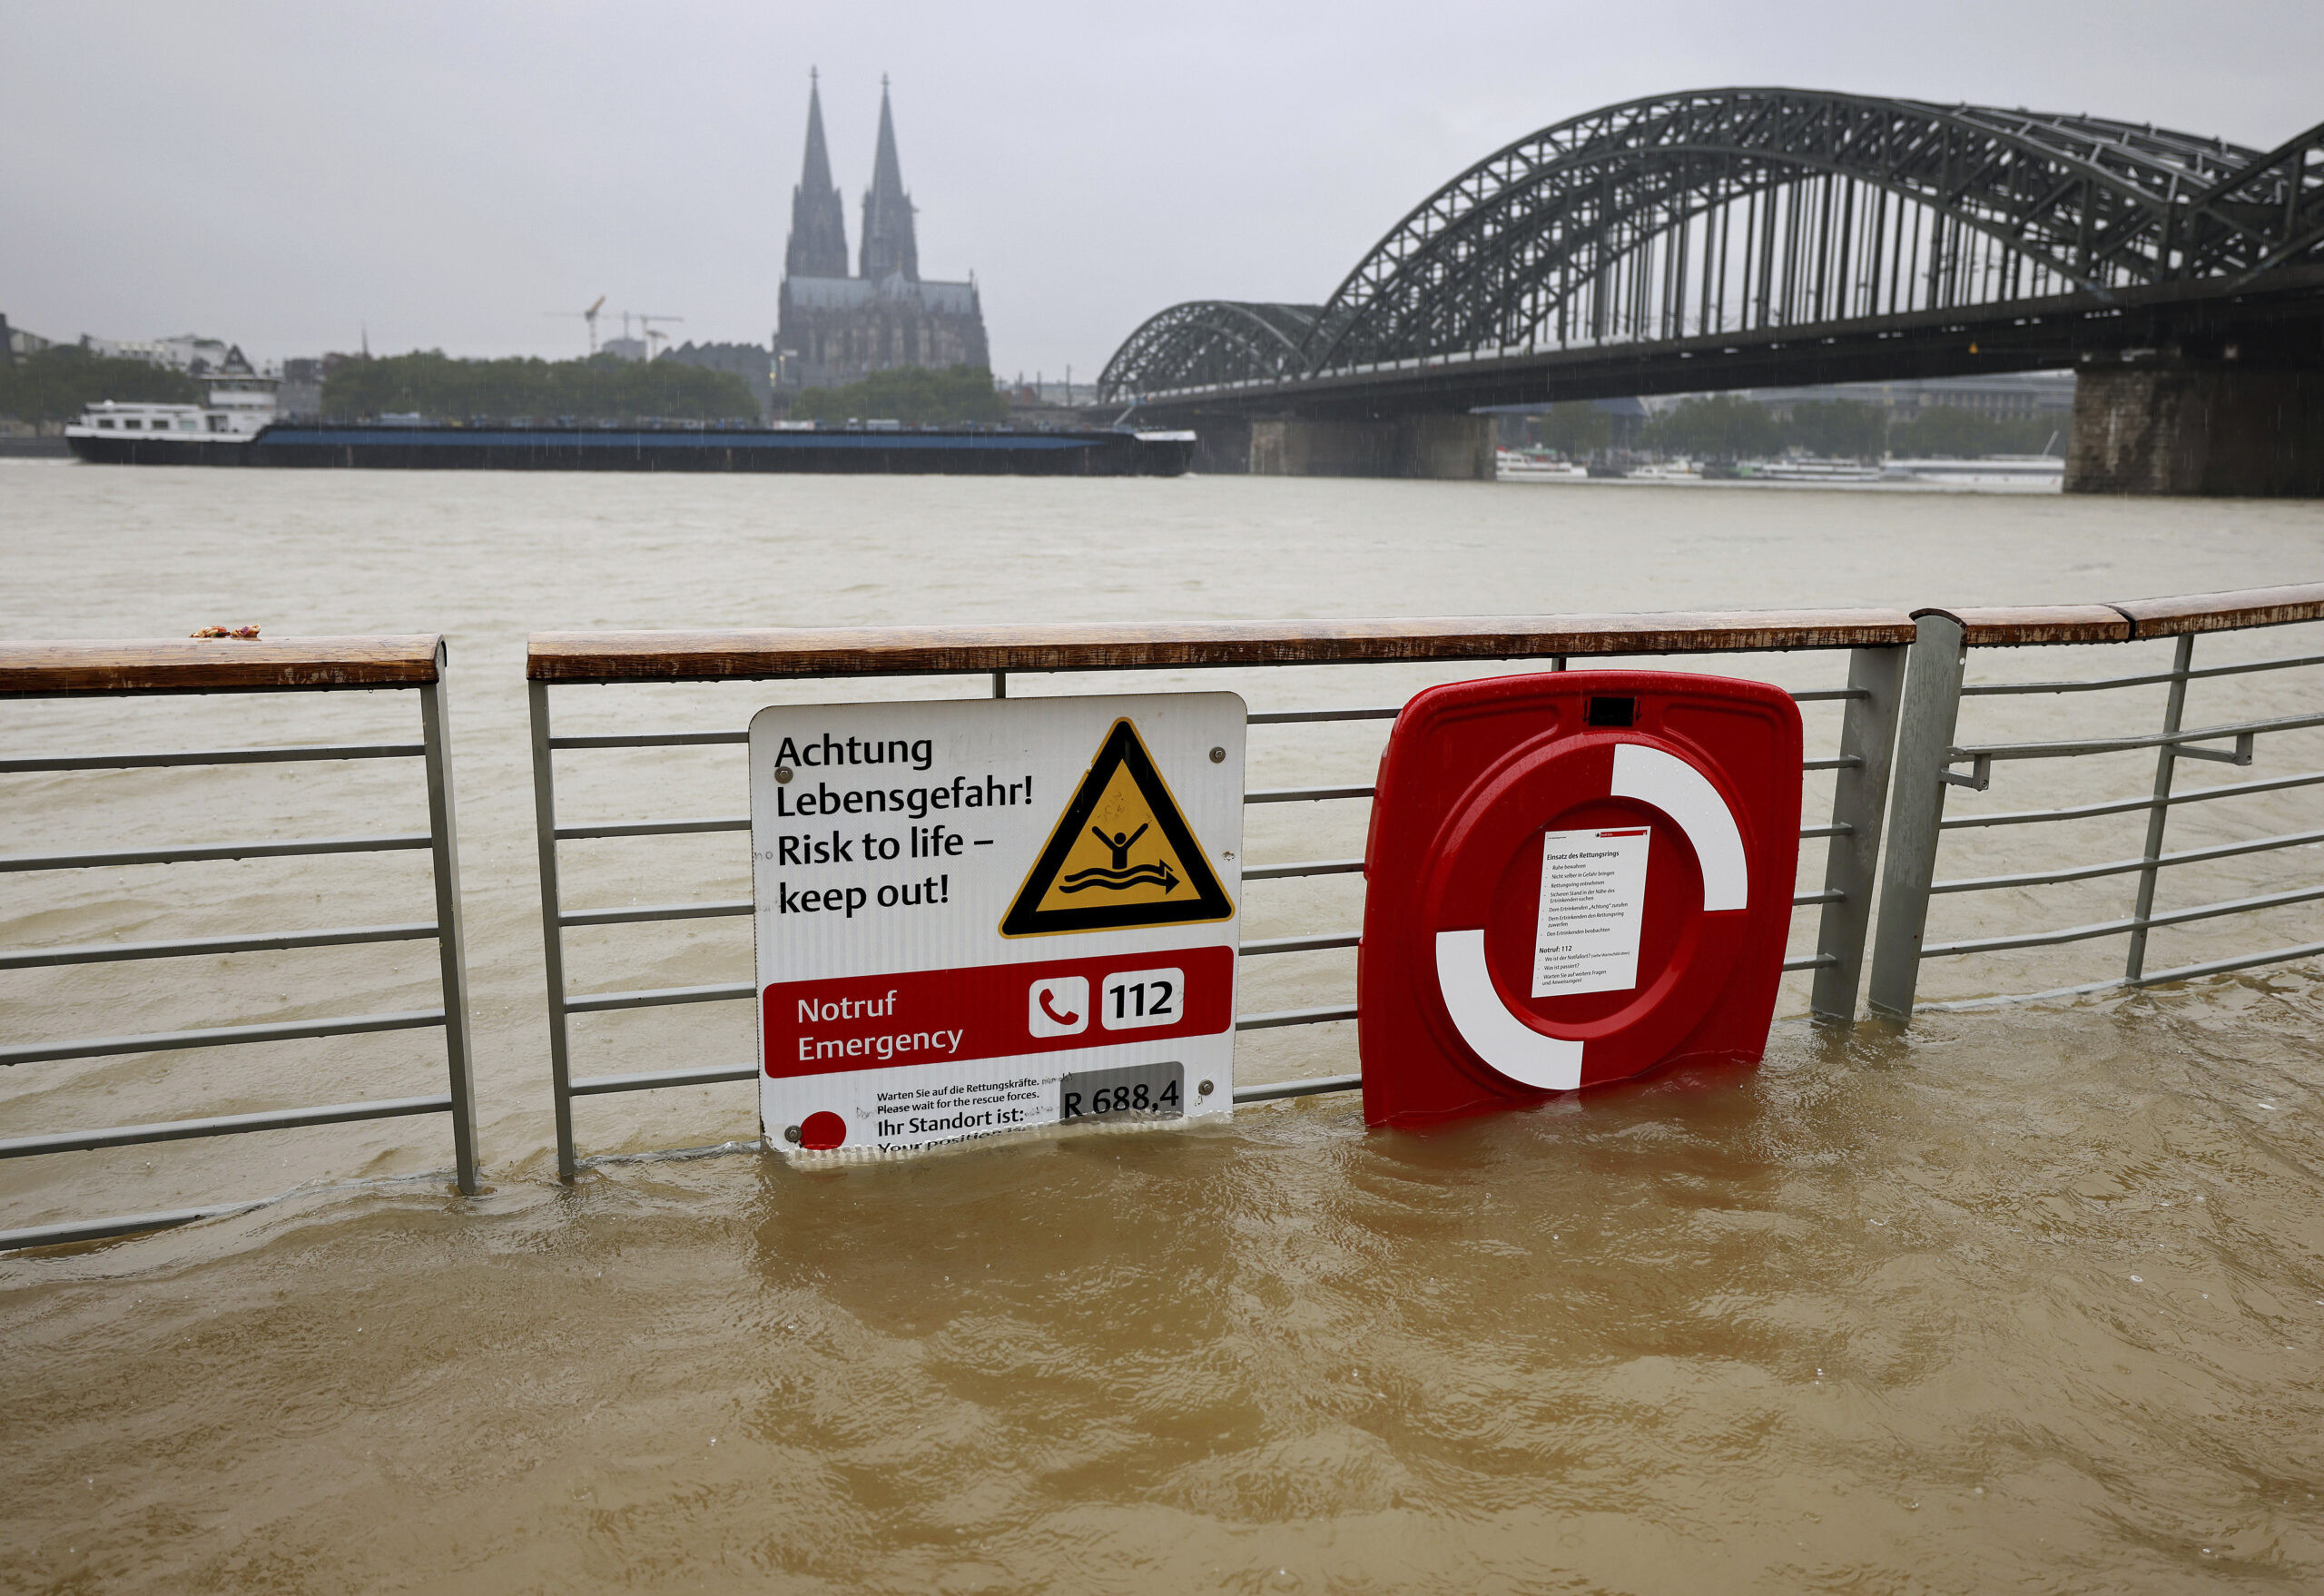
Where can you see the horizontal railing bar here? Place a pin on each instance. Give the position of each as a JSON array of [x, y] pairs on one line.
[[1303, 794], [2027, 625], [1995, 689], [2123, 866], [2125, 805], [2222, 966], [598, 1085], [221, 1036], [1837, 829], [904, 651], [1259, 945], [1275, 1090], [1283, 1017], [2075, 748], [655, 828], [1277, 872], [1284, 718], [2115, 928], [1842, 761], [654, 911], [1812, 962], [656, 996], [73, 1231], [2155, 978], [653, 740], [189, 855], [112, 668], [127, 1136], [108, 952], [1828, 895], [2223, 612], [721, 1149], [1288, 717], [214, 757]]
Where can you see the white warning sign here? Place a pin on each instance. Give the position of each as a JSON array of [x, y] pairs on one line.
[[977, 916], [1593, 905]]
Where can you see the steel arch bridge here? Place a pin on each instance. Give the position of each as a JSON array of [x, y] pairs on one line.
[[1759, 214]]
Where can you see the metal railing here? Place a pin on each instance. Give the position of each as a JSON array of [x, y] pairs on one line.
[[1928, 754], [118, 670], [1874, 641]]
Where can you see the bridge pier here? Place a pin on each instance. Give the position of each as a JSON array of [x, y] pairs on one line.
[[1441, 448], [2213, 429]]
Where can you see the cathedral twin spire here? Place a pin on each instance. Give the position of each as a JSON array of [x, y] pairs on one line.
[[818, 246]]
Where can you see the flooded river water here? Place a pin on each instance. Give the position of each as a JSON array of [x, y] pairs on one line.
[[2024, 1298]]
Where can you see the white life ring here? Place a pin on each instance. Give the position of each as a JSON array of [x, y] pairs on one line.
[[1488, 1025]]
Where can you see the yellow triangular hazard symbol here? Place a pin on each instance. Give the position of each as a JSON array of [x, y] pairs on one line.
[[1121, 856]]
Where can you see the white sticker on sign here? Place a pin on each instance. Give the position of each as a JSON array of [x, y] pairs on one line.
[[1593, 904]]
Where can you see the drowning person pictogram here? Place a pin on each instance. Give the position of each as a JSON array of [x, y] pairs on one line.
[[1121, 875], [1120, 856]]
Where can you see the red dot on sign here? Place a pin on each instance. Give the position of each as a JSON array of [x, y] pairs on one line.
[[821, 1132]]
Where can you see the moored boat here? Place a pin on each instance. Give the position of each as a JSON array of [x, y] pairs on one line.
[[185, 435], [239, 407]]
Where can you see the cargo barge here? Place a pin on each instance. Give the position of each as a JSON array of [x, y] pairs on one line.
[[240, 426], [132, 435]]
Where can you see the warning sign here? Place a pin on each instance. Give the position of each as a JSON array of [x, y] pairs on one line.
[[969, 922], [1121, 855]]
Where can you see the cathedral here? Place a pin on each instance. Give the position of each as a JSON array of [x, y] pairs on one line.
[[835, 327]]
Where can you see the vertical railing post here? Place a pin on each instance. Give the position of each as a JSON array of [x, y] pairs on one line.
[[2166, 760], [1000, 684], [1859, 802], [1924, 728], [452, 941], [560, 1071]]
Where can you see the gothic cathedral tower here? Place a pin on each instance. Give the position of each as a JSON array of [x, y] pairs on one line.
[[818, 219], [835, 329], [889, 247]]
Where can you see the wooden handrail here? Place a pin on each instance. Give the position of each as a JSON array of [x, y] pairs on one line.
[[899, 651], [2020, 626], [2223, 612], [223, 665]]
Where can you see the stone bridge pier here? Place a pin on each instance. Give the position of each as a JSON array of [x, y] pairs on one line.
[[2165, 424]]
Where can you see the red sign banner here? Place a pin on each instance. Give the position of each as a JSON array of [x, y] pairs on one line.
[[996, 1011]]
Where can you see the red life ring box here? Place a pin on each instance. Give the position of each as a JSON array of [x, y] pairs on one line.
[[1573, 878]]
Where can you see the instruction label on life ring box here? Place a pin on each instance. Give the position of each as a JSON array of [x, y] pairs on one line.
[[1593, 906], [984, 915]]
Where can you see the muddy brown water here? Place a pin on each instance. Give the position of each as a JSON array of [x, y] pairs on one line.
[[2029, 1297]]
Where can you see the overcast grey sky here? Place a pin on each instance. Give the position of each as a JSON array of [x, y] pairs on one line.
[[284, 174]]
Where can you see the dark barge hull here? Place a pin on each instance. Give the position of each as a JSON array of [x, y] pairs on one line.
[[945, 452]]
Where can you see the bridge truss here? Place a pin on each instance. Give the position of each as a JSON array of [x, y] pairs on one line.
[[1741, 211]]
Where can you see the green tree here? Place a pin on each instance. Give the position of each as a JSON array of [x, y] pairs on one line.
[[1574, 428], [1943, 433], [917, 395], [603, 388], [1845, 429], [1719, 427], [57, 384]]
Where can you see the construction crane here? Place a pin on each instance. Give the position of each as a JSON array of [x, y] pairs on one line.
[[589, 316], [646, 327]]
